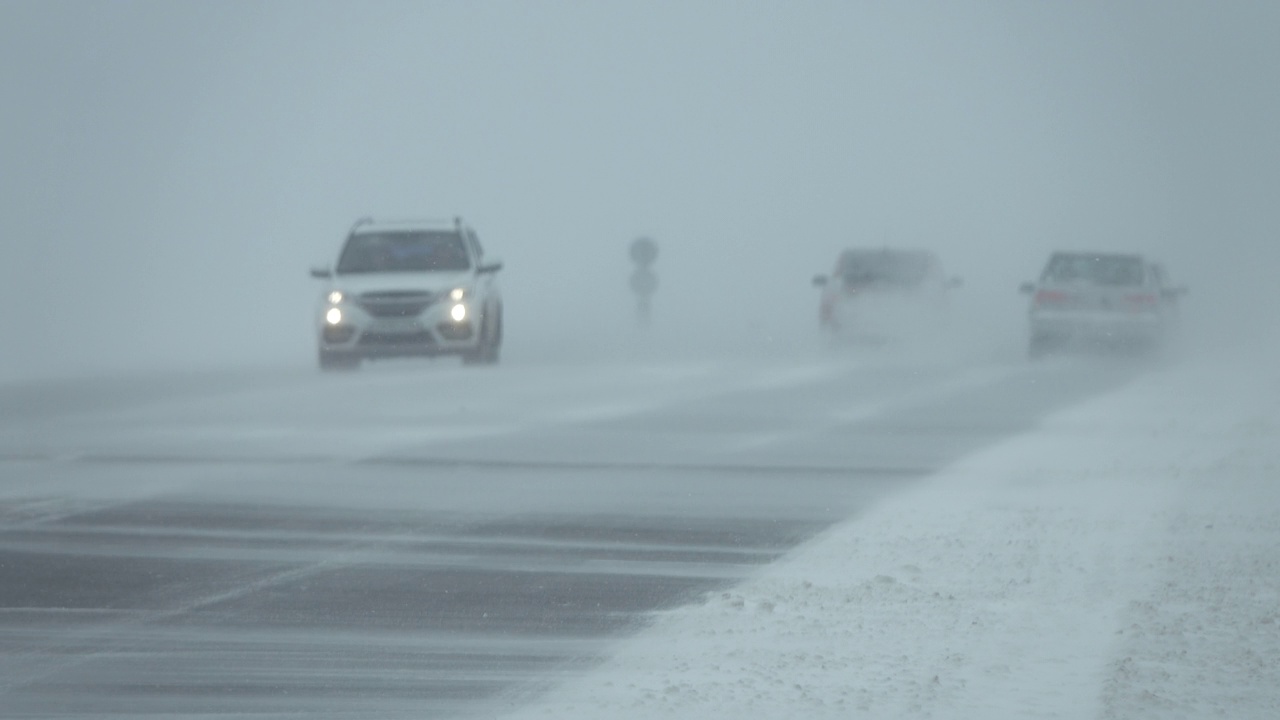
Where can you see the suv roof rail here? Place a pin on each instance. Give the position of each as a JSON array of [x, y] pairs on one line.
[[366, 220], [455, 221]]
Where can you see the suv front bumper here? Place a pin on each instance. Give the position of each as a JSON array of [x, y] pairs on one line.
[[431, 333]]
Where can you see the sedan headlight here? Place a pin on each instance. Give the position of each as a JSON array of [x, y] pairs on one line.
[[335, 297], [458, 312], [333, 317], [457, 294]]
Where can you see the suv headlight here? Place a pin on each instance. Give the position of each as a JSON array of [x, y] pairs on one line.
[[458, 293], [335, 297]]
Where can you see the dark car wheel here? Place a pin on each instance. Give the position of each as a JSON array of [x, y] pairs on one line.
[[1038, 348]]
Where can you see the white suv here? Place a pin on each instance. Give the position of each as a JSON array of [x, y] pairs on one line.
[[402, 289]]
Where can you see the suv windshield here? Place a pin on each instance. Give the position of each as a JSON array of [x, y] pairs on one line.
[[859, 267], [1116, 270], [403, 251]]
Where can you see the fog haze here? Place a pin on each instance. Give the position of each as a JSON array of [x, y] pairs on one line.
[[172, 169], [802, 488]]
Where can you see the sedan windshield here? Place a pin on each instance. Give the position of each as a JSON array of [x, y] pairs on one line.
[[403, 251], [1116, 270]]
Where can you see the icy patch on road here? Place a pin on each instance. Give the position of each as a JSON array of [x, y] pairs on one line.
[[1119, 562]]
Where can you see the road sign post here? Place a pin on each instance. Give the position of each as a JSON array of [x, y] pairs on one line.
[[644, 281]]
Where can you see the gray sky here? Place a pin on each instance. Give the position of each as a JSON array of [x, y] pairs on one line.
[[171, 169]]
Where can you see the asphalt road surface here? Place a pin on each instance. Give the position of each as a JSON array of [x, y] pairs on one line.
[[426, 540]]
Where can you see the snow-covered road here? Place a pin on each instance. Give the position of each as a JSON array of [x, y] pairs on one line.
[[1122, 560], [810, 537]]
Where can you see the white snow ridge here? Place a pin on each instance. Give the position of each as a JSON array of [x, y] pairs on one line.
[[1122, 561]]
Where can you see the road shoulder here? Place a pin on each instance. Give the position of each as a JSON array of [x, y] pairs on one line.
[[1118, 561]]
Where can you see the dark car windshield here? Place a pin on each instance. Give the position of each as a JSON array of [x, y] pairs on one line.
[[884, 266], [403, 251], [1115, 270]]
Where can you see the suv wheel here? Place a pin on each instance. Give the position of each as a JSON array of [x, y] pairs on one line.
[[486, 353]]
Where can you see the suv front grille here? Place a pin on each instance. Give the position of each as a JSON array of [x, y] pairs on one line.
[[398, 303], [422, 337]]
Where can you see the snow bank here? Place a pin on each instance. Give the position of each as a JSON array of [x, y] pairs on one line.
[[1122, 561]]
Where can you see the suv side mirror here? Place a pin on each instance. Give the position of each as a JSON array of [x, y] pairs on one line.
[[1027, 288], [321, 272], [820, 281], [492, 266]]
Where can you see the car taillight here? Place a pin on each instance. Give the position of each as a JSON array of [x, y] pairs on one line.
[[1052, 297]]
